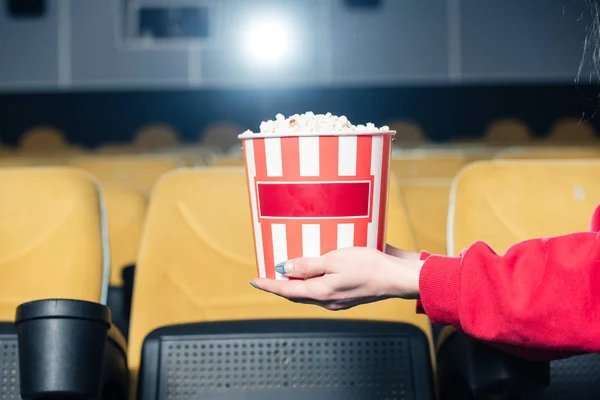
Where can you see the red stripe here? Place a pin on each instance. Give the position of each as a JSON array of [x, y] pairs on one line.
[[385, 178], [293, 232], [260, 157], [363, 155], [328, 236], [328, 157], [290, 153], [363, 170]]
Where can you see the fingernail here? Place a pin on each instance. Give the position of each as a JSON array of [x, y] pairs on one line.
[[254, 285], [282, 267]]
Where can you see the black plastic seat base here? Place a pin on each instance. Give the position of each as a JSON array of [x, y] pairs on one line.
[[486, 370], [287, 359]]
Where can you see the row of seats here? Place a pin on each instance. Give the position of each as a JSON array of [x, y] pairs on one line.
[[223, 137], [195, 261]]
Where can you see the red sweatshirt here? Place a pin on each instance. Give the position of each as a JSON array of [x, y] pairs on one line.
[[540, 300]]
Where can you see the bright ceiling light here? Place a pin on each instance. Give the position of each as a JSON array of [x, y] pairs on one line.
[[268, 41]]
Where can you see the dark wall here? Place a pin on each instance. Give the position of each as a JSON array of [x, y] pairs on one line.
[[93, 118]]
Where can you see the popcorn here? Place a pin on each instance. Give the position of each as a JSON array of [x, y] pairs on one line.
[[310, 122]]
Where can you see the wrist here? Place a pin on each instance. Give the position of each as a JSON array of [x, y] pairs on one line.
[[401, 277]]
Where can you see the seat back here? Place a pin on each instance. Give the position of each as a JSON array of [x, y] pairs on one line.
[[228, 162], [43, 139], [292, 359], [549, 152], [427, 165], [52, 234], [155, 136], [572, 131], [426, 201], [197, 257], [507, 131], [504, 202], [138, 172], [125, 210]]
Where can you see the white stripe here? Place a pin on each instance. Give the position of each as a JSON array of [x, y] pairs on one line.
[[279, 236], [311, 240], [273, 155], [347, 155], [251, 171], [376, 162], [309, 156], [345, 236]]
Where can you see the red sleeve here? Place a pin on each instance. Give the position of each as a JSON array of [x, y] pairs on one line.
[[540, 300]]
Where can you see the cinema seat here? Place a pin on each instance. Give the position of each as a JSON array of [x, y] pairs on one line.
[[502, 203], [549, 153], [53, 246], [199, 329], [226, 161], [427, 164], [126, 211], [426, 201], [569, 131], [44, 139], [508, 132], [138, 172], [155, 137]]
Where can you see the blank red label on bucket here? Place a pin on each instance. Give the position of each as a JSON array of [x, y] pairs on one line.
[[314, 200], [310, 195]]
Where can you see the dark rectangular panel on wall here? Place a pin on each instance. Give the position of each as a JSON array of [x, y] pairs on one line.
[[174, 22], [363, 3], [26, 8]]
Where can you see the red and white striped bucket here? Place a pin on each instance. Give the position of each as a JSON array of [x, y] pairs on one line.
[[311, 194]]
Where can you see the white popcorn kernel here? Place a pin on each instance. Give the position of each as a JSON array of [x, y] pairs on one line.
[[311, 122], [384, 128]]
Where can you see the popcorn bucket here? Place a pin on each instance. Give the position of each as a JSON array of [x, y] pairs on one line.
[[311, 193]]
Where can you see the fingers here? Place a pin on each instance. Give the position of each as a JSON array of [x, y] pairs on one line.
[[399, 253], [304, 268], [292, 289]]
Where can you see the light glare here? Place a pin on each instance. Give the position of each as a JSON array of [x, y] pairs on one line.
[[268, 41]]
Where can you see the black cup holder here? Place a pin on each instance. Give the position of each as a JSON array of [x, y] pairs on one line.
[[62, 348]]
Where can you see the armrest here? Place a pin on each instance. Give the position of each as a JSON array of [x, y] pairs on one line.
[[128, 275], [486, 370]]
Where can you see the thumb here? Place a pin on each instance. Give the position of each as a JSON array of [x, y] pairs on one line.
[[304, 268]]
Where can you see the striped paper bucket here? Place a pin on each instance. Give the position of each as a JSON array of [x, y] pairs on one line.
[[311, 194]]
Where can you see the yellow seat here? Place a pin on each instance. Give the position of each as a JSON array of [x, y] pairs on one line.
[[503, 202], [197, 258], [426, 201], [553, 152], [572, 131], [228, 162], [125, 210], [408, 134], [156, 136], [507, 132], [52, 237], [43, 139], [132, 171], [426, 164], [221, 136]]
